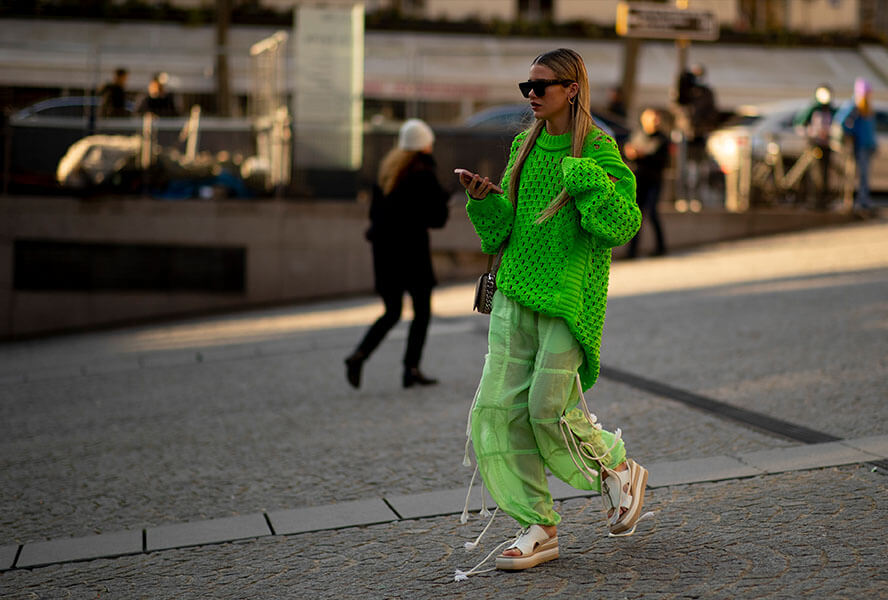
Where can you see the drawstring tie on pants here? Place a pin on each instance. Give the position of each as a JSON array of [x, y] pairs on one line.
[[580, 452]]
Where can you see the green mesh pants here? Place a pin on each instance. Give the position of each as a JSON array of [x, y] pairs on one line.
[[528, 384]]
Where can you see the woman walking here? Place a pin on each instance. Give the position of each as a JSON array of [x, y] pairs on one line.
[[567, 199], [407, 201], [649, 150], [858, 122]]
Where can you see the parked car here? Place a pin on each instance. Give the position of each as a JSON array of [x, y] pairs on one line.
[[42, 133], [66, 107], [754, 127], [517, 117]]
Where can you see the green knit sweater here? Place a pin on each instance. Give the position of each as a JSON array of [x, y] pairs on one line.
[[560, 268]]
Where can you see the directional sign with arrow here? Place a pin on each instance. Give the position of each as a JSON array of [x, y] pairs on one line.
[[648, 20]]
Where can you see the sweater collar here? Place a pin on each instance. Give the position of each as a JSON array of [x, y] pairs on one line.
[[553, 142]]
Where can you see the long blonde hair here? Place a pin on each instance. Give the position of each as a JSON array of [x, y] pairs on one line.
[[393, 167], [567, 65]]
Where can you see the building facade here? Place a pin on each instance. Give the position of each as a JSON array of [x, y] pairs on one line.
[[800, 16]]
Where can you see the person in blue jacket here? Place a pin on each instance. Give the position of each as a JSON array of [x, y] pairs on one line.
[[858, 122]]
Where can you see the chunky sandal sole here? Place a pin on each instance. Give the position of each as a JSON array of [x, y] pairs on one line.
[[638, 477], [545, 552]]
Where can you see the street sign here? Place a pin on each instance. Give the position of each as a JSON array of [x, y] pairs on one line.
[[661, 21]]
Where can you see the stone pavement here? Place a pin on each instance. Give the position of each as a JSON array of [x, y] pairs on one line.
[[817, 534], [216, 429]]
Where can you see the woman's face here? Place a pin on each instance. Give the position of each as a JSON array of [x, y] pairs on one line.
[[554, 102], [650, 121]]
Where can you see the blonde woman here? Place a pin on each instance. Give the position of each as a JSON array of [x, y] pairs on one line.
[[407, 201], [567, 199]]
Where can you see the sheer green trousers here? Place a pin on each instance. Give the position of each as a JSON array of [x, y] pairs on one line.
[[527, 385]]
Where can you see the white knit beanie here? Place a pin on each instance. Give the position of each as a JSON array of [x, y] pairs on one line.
[[415, 135]]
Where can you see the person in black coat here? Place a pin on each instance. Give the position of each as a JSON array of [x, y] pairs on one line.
[[158, 101], [648, 150], [407, 201], [113, 95]]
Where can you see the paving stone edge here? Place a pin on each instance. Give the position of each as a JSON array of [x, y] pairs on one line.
[[706, 470]]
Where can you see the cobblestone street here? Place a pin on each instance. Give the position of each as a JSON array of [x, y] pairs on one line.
[[136, 429]]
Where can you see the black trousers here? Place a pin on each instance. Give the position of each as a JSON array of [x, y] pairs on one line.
[[823, 198], [648, 194], [422, 311]]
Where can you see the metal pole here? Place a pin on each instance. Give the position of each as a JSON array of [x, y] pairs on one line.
[[743, 180], [97, 81], [682, 44], [414, 70], [679, 134], [7, 150], [192, 130], [297, 174], [631, 47]]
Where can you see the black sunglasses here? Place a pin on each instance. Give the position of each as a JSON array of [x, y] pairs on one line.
[[539, 86]]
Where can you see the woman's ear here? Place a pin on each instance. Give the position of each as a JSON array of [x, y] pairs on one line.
[[573, 90]]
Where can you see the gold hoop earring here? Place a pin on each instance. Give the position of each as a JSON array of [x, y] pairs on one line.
[[571, 100]]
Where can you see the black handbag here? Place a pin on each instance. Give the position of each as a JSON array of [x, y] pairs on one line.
[[486, 286]]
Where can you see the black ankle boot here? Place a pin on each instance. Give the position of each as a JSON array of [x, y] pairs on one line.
[[353, 365], [413, 375]]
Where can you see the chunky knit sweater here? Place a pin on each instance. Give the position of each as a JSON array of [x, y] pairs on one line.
[[560, 267]]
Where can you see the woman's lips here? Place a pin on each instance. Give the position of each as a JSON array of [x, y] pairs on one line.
[[535, 105]]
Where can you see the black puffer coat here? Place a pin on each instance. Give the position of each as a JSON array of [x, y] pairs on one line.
[[399, 228]]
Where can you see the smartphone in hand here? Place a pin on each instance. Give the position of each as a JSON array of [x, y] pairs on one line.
[[468, 174]]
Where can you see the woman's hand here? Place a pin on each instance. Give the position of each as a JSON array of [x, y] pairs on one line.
[[477, 186]]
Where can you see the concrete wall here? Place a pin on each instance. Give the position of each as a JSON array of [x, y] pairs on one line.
[[812, 16], [280, 5], [727, 13], [602, 12], [296, 251], [807, 16], [505, 10]]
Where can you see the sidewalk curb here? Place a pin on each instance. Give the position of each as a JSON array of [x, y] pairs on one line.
[[418, 506]]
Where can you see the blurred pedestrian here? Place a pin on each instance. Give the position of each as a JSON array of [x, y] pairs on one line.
[[701, 101], [648, 149], [566, 199], [406, 202], [158, 101], [113, 95], [616, 103], [815, 122], [696, 116], [858, 122]]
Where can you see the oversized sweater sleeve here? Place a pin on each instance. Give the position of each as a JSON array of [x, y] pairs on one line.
[[607, 208], [494, 216]]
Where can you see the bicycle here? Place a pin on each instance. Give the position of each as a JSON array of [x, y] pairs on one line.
[[776, 180]]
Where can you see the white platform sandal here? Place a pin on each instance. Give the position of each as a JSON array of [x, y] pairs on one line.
[[536, 547], [623, 490]]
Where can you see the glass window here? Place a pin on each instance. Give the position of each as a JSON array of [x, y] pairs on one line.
[[62, 111]]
